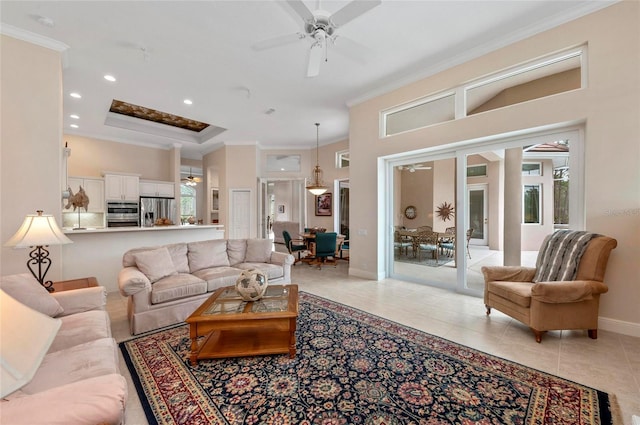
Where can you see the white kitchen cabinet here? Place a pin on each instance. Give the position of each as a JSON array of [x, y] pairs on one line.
[[94, 189], [155, 188], [122, 187]]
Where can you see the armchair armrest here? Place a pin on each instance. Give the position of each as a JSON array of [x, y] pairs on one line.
[[281, 258], [79, 300], [508, 273], [131, 281], [567, 291]]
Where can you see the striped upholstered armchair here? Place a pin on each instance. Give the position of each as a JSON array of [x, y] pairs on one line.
[[561, 292]]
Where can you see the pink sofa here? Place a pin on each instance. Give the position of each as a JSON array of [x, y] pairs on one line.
[[77, 379]]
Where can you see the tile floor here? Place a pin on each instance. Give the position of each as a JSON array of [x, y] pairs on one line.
[[611, 363]]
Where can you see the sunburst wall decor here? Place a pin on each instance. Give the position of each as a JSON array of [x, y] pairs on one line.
[[445, 211]]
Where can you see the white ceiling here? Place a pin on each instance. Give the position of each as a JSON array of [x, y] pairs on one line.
[[162, 52]]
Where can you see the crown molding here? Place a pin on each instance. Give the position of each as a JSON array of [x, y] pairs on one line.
[[33, 38]]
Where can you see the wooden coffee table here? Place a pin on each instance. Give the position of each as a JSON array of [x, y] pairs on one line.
[[232, 327]]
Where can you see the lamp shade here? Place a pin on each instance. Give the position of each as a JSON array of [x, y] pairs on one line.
[[38, 230], [26, 337]]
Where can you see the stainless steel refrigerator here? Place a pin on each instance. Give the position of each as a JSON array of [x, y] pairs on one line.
[[157, 211]]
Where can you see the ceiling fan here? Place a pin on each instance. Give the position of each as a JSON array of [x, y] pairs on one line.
[[320, 27], [413, 167], [190, 180]]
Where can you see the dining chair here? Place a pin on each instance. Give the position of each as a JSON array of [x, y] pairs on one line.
[[469, 234], [428, 241], [401, 242], [344, 246], [424, 229], [294, 245], [448, 242], [325, 248]]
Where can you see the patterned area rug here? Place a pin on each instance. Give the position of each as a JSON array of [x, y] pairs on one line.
[[352, 368]]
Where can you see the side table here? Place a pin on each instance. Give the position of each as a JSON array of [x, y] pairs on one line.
[[68, 285]]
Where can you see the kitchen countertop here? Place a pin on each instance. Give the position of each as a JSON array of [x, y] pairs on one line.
[[70, 231]]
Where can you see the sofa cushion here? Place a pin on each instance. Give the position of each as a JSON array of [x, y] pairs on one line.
[[178, 252], [79, 328], [26, 289], [94, 358], [217, 277], [177, 286], [273, 271], [155, 263], [99, 400], [516, 292], [206, 254], [236, 250], [258, 251]]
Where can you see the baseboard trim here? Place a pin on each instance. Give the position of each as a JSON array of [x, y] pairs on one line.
[[619, 326], [365, 274]]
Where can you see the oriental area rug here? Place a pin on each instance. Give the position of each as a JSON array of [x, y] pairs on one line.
[[352, 367]]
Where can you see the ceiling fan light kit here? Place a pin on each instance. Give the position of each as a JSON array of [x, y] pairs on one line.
[[190, 180], [316, 186]]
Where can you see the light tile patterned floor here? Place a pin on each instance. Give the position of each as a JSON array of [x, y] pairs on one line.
[[610, 363]]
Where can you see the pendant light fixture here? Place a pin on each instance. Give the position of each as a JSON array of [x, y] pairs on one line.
[[316, 187]]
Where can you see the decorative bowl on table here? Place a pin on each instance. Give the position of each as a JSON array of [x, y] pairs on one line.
[[252, 284]]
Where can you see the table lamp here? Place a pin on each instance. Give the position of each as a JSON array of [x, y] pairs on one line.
[[39, 231]]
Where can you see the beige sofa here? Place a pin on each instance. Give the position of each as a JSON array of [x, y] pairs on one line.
[[166, 284], [67, 370]]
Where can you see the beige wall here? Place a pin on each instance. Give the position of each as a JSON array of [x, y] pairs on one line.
[[234, 167], [31, 147], [417, 190], [609, 107], [92, 157], [214, 168], [327, 161]]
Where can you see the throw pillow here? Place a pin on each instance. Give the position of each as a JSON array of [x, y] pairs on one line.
[[155, 264], [236, 249], [258, 251], [207, 254], [26, 289]]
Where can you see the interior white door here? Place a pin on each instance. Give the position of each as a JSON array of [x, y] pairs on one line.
[[240, 213]]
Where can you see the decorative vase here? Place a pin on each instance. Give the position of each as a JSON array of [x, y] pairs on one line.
[[252, 284]]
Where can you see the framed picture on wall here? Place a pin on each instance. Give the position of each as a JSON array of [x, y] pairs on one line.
[[323, 204]]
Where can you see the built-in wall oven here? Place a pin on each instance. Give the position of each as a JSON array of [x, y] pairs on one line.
[[123, 214]]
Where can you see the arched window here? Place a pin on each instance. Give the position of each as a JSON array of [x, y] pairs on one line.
[[187, 202]]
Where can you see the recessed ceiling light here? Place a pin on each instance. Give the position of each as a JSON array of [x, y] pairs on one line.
[[74, 126], [188, 102], [110, 78], [75, 95], [74, 116]]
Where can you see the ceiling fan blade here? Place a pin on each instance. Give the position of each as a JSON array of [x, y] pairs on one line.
[[278, 41], [301, 9], [352, 10], [315, 57]]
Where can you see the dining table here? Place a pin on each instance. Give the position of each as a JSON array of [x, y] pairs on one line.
[[310, 237], [414, 235]]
